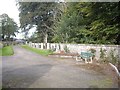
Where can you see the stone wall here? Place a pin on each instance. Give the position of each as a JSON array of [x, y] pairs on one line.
[[77, 48]]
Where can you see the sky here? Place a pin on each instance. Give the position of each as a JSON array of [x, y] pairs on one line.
[[9, 7]]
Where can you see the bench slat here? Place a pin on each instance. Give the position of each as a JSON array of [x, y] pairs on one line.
[[86, 55]]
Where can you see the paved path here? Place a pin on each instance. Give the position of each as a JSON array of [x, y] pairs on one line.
[[26, 69]]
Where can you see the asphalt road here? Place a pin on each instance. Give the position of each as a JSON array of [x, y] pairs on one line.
[[26, 69]]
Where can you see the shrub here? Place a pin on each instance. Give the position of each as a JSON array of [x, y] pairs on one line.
[[92, 50], [103, 55], [50, 51], [66, 49], [113, 58]]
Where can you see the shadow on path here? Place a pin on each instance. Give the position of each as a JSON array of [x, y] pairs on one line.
[[20, 77]]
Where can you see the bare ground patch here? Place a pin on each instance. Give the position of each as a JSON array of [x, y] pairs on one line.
[[105, 69]]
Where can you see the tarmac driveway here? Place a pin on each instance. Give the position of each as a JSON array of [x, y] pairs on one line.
[[26, 69]]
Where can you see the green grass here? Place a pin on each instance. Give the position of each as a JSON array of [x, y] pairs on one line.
[[6, 51], [38, 51]]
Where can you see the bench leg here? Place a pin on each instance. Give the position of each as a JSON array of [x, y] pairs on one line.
[[91, 60], [77, 59], [86, 60]]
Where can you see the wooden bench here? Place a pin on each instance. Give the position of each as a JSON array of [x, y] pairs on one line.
[[86, 56]]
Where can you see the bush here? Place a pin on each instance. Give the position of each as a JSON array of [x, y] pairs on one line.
[[50, 51], [103, 55], [92, 50], [66, 49], [113, 58]]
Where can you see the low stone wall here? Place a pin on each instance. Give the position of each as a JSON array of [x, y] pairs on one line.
[[77, 48]]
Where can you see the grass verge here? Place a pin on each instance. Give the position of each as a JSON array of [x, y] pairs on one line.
[[6, 51], [38, 51]]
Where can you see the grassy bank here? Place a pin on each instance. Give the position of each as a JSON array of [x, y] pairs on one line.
[[39, 51], [6, 51]]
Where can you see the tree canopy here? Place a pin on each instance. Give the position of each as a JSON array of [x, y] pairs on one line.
[[8, 27], [40, 14], [81, 22]]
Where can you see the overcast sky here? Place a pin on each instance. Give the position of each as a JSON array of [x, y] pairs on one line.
[[9, 7]]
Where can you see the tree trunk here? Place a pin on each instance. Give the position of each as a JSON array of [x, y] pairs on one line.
[[45, 40]]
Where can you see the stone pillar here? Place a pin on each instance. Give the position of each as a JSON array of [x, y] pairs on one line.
[[48, 45], [57, 48], [41, 45], [37, 45]]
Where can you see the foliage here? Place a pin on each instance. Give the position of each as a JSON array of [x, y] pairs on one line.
[[68, 28], [113, 58], [35, 38], [103, 55], [92, 50], [6, 51], [81, 22], [90, 22], [9, 27], [50, 51], [66, 49], [42, 14], [38, 51], [102, 21]]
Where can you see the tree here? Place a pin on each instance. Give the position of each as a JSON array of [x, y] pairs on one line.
[[8, 27], [40, 14], [102, 19], [71, 25], [83, 22], [0, 28], [89, 22]]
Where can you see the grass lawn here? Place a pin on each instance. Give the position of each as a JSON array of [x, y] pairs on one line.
[[6, 51], [39, 51]]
